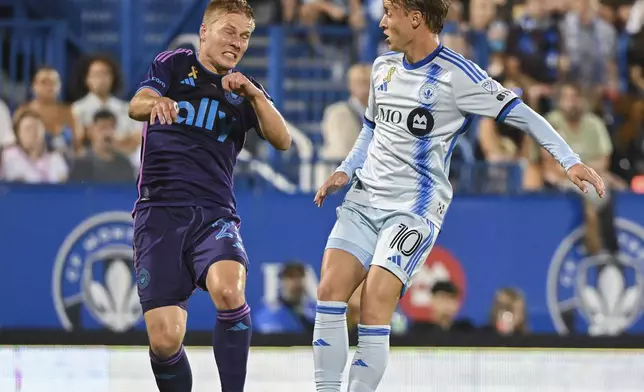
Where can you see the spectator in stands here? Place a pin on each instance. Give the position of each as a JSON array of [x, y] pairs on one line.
[[481, 16], [445, 307], [63, 132], [28, 160], [586, 133], [101, 81], [295, 311], [328, 11], [103, 162], [591, 45], [636, 88], [506, 148], [508, 314], [453, 35], [7, 137], [342, 121], [534, 49]]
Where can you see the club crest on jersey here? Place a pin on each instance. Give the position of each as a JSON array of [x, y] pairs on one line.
[[387, 79], [598, 295], [93, 277], [491, 86], [233, 98], [428, 94]]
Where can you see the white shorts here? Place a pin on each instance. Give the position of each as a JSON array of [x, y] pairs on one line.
[[398, 241]]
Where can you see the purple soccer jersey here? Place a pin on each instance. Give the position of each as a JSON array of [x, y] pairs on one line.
[[185, 218], [191, 162]]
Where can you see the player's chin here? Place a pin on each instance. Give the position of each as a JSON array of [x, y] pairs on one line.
[[228, 62], [391, 45]]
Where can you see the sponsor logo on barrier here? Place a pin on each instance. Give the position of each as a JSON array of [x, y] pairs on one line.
[[94, 274], [600, 294], [440, 265]]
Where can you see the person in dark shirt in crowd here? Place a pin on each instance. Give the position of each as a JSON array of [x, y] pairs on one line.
[[103, 163], [294, 311], [534, 54], [445, 307]]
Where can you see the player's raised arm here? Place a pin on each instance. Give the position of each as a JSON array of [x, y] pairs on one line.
[[479, 94], [271, 123], [149, 103]]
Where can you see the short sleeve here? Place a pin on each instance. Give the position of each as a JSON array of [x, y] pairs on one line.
[[159, 74], [477, 93], [370, 111]]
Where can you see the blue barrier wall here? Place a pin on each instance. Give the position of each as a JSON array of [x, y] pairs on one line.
[[62, 257]]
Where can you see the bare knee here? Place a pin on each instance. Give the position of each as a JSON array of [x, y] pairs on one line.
[[342, 273], [228, 296], [226, 281], [331, 291], [165, 331]]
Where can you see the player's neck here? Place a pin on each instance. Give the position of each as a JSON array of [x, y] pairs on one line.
[[420, 48], [209, 65]]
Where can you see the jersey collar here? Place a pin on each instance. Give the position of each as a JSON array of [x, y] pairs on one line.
[[209, 72], [411, 66]]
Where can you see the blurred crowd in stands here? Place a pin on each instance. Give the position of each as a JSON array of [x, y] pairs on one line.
[[91, 140], [578, 62], [294, 310]]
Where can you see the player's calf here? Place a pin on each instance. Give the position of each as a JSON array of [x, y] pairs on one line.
[[166, 328], [380, 295], [226, 281], [342, 273]]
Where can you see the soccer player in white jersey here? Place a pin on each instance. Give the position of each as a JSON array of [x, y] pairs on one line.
[[422, 98]]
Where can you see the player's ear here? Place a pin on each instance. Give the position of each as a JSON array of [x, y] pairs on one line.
[[416, 19], [202, 32]]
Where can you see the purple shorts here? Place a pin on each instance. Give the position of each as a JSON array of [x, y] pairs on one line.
[[175, 246]]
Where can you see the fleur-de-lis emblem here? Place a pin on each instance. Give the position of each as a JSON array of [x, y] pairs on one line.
[[115, 305], [610, 306]]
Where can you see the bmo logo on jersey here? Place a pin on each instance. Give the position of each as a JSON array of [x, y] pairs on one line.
[[420, 122], [206, 117], [390, 115]]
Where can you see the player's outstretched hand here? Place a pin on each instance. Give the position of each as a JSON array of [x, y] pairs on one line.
[[239, 84], [331, 185], [166, 110], [580, 173]]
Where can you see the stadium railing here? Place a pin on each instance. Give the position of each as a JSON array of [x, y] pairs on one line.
[[30, 44]]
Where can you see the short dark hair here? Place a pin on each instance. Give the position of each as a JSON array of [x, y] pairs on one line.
[[104, 114], [293, 269], [434, 11], [42, 68], [86, 64], [21, 115], [446, 287], [229, 7]]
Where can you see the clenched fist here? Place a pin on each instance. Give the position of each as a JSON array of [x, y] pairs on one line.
[[239, 84]]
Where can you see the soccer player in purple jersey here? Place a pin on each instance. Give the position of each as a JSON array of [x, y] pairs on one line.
[[198, 111]]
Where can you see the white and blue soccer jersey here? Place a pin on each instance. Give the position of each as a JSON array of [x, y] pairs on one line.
[[417, 113]]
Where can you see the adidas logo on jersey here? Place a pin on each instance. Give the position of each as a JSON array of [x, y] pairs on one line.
[[188, 81]]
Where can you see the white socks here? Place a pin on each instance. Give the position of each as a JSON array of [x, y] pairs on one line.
[[330, 345], [370, 361]]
